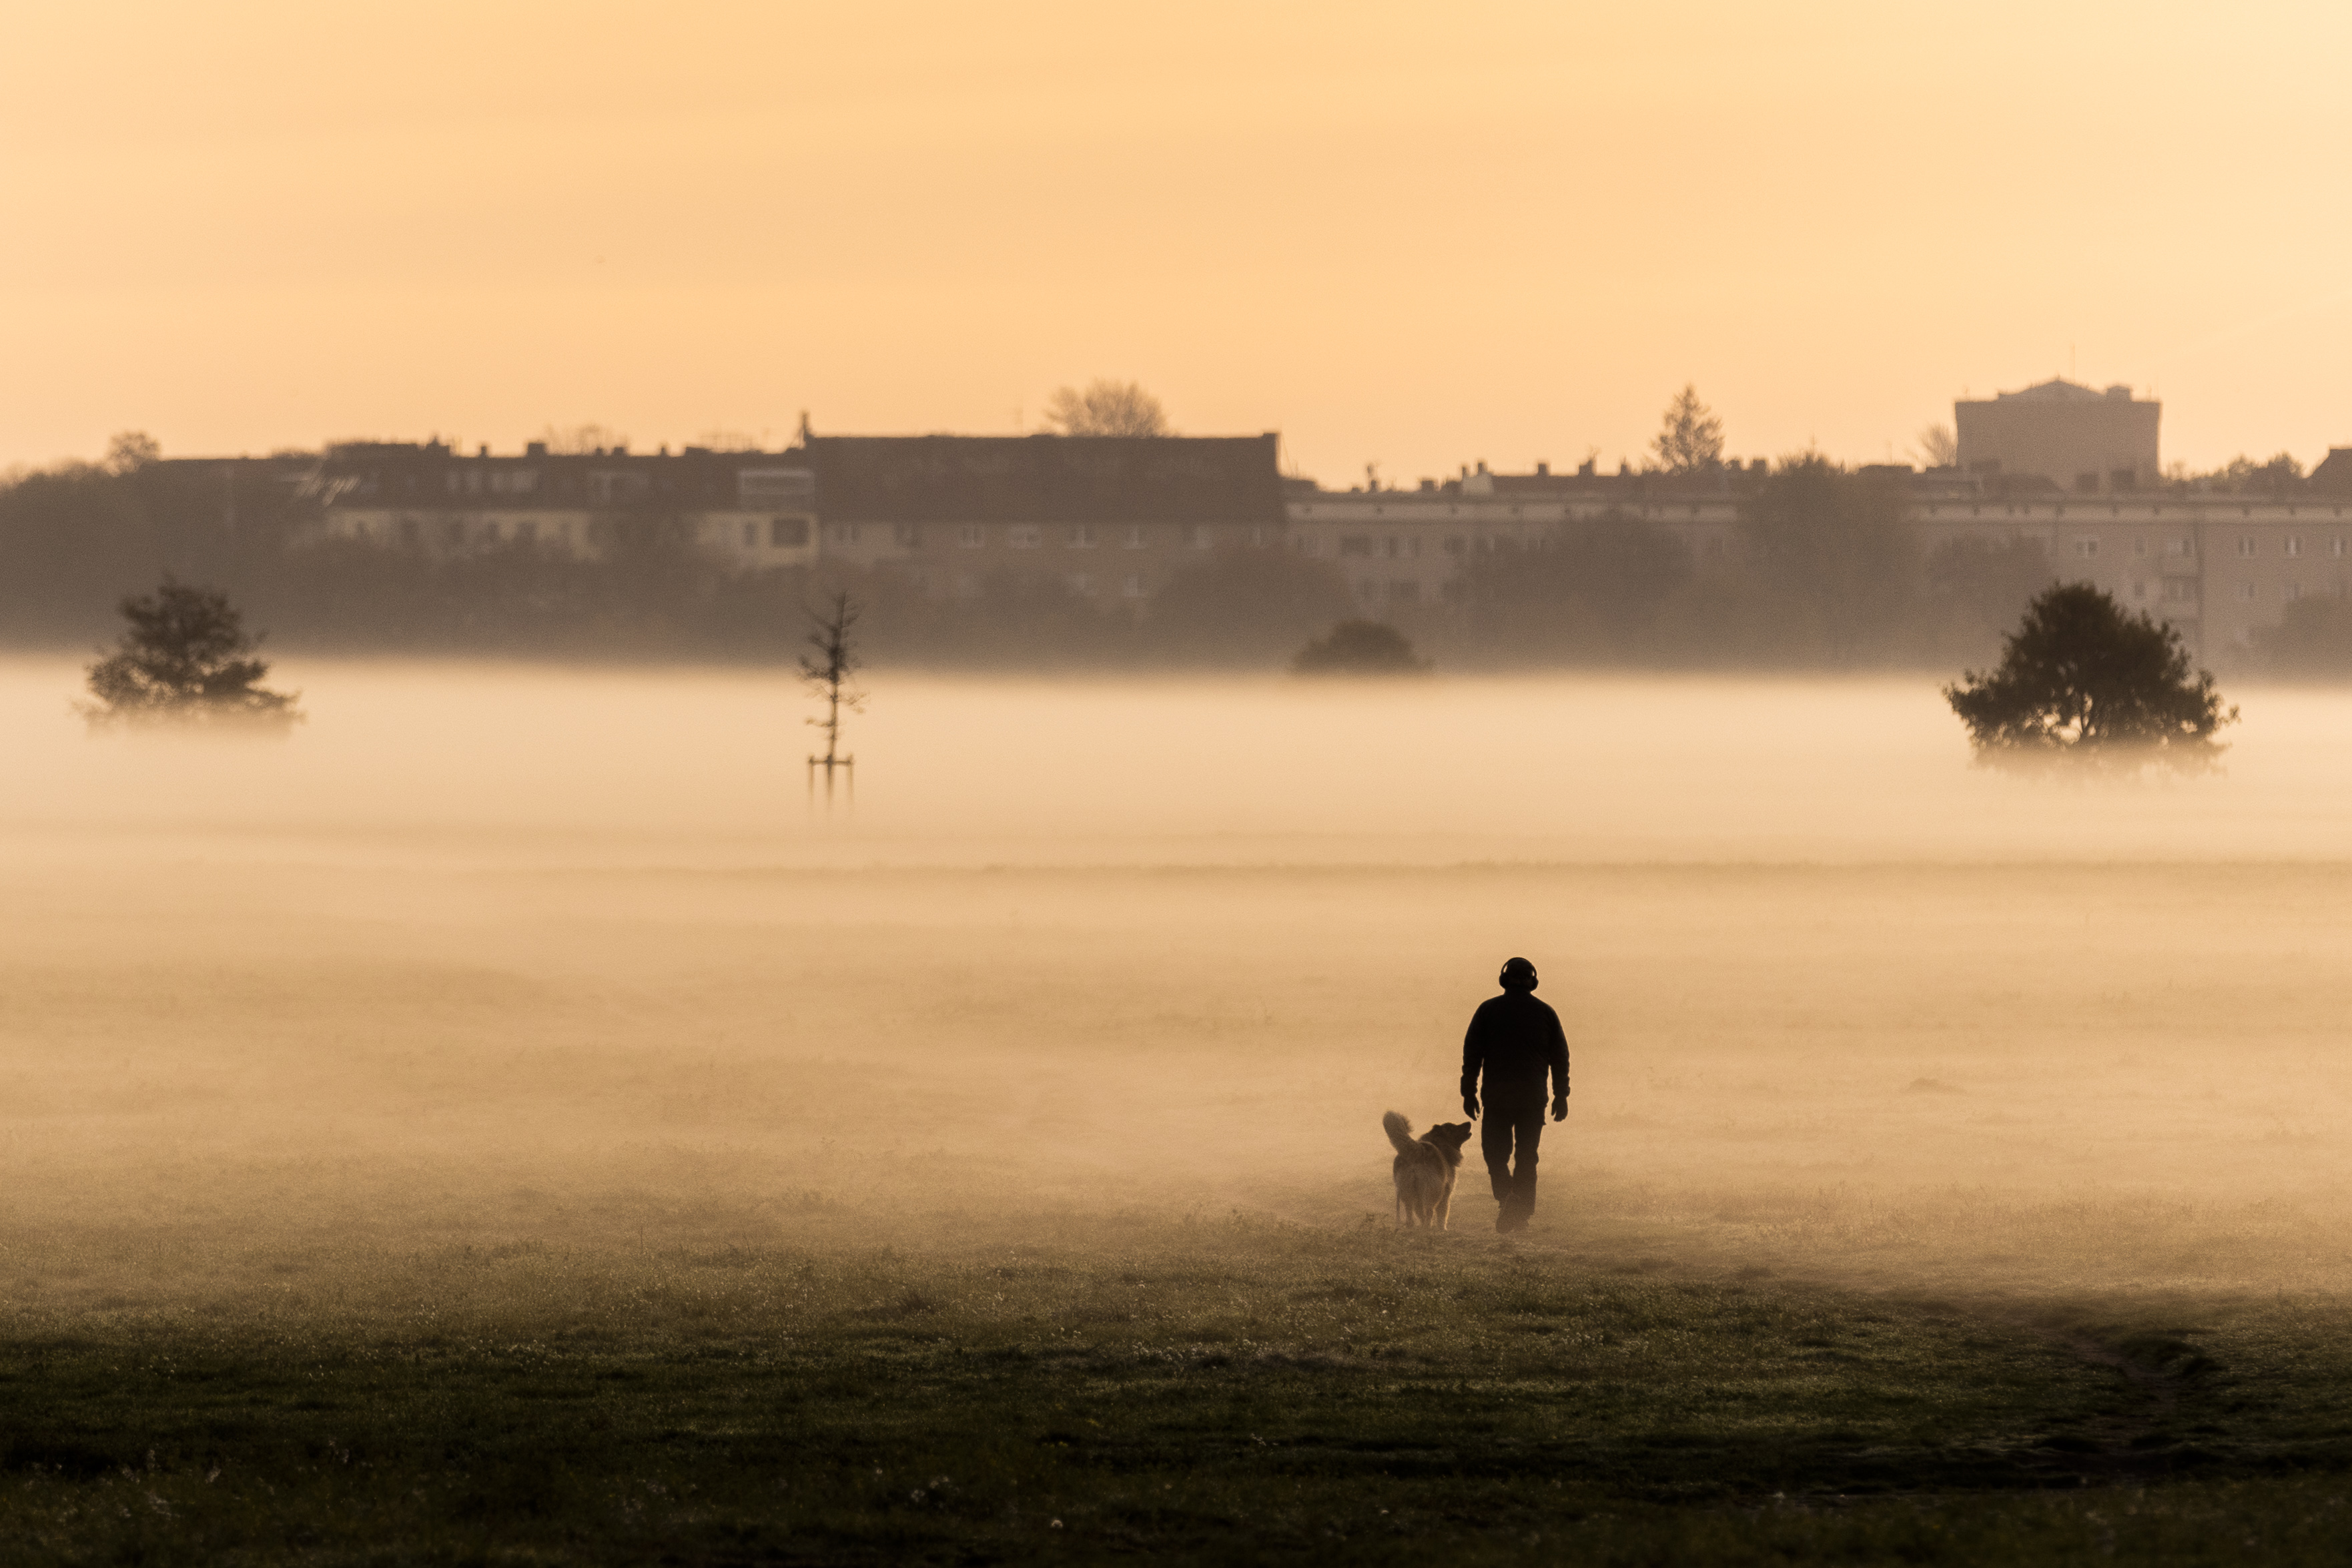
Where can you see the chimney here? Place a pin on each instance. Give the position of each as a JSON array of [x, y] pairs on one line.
[[1543, 470], [536, 449]]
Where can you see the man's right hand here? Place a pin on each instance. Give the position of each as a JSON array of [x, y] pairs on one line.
[[1470, 1106]]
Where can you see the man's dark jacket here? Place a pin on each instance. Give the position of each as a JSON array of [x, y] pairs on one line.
[[1515, 1039]]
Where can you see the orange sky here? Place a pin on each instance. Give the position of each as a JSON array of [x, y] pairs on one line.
[[1422, 235]]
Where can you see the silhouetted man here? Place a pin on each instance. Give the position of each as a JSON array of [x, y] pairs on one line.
[[1516, 1041]]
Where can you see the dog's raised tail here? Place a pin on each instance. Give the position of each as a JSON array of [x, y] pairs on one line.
[[1400, 1133]]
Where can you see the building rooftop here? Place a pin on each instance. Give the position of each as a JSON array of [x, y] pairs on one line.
[[1047, 479]]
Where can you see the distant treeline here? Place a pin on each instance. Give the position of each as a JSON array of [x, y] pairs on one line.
[[1828, 575]]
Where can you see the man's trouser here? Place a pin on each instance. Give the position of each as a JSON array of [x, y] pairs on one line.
[[1503, 1129]]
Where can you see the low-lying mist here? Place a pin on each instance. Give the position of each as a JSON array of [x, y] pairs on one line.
[[502, 958]]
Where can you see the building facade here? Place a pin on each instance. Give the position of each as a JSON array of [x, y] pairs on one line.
[[749, 510], [1107, 518], [2081, 440], [1112, 521]]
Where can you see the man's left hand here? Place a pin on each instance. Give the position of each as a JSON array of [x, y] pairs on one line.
[[1559, 1108]]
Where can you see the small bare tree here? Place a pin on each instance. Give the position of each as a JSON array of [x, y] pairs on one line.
[[1938, 447], [828, 673], [579, 440], [1690, 437], [1106, 408]]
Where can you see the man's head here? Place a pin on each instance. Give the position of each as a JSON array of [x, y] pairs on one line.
[[1519, 974]]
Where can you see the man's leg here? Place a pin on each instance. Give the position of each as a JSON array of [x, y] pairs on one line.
[[1528, 1130], [1495, 1143]]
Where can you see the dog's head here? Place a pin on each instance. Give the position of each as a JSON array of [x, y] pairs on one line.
[[1449, 1136]]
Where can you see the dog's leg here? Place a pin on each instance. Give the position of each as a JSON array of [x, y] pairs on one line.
[[1444, 1206]]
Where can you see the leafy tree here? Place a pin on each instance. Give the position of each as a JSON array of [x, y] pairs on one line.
[[1836, 550], [1243, 607], [582, 439], [1592, 592], [1359, 647], [2084, 682], [1690, 437], [186, 658], [1984, 586], [2280, 474], [1106, 408], [2314, 638], [130, 451]]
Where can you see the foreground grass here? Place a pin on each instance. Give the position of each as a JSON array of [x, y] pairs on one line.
[[1204, 1392]]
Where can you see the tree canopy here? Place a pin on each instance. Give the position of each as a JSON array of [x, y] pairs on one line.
[[1106, 408], [1690, 437], [186, 658], [1359, 647], [2084, 682]]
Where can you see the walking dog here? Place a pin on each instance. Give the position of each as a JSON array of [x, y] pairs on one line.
[[1425, 1168]]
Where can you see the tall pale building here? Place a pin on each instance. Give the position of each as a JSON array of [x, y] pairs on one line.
[[2079, 438]]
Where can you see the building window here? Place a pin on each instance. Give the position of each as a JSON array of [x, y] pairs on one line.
[[2184, 546], [1355, 544], [2086, 547], [1081, 536], [2335, 546], [1404, 591], [791, 532], [2179, 590], [2245, 544], [2140, 544], [490, 531], [1136, 538], [1388, 547], [2290, 590], [1025, 536], [1081, 584], [2139, 589], [1203, 536], [843, 533], [750, 535], [2292, 544], [2245, 590], [972, 535], [1456, 544], [1132, 585], [909, 535], [527, 531]]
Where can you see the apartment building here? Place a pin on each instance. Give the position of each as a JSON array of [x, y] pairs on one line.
[[1398, 550], [1109, 519], [747, 509], [2080, 439]]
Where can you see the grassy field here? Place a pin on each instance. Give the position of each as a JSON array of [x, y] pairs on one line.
[[478, 1132], [1214, 1390]]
